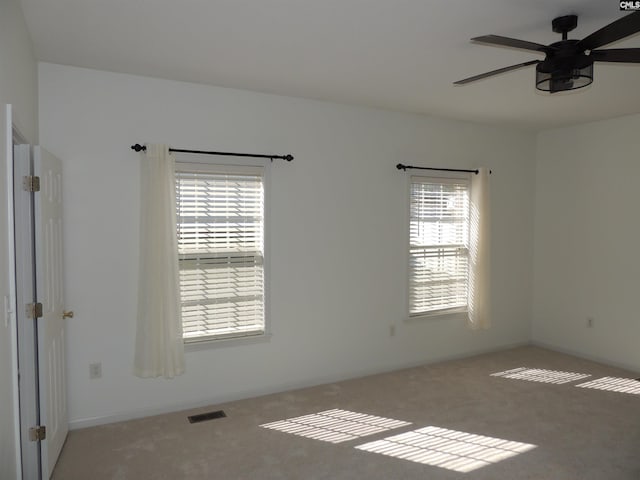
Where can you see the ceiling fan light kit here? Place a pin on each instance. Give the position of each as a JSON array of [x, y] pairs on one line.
[[563, 79], [568, 64]]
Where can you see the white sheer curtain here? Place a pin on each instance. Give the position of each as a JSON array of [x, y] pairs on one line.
[[479, 252], [159, 345]]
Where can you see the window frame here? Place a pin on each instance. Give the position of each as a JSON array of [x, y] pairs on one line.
[[435, 177], [200, 163]]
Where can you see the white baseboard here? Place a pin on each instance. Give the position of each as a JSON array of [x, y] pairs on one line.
[[634, 369], [148, 412]]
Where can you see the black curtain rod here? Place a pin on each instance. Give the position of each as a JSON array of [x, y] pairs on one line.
[[137, 147], [400, 166]]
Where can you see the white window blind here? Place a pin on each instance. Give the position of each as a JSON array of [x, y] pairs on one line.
[[439, 239], [221, 252]]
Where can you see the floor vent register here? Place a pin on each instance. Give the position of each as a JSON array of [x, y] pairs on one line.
[[203, 417]]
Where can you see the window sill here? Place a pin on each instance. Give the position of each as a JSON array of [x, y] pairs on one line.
[[208, 344], [437, 315]]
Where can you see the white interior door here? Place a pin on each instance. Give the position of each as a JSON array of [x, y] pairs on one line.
[[29, 410], [49, 291]]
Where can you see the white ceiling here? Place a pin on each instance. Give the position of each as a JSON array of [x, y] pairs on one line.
[[395, 54]]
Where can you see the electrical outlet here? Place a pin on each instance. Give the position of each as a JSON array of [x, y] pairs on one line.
[[589, 322], [95, 370]]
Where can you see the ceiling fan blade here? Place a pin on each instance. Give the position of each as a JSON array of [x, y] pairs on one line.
[[512, 42], [617, 30], [495, 72], [624, 55]]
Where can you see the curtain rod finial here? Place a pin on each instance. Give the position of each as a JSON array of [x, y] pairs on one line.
[[401, 167], [137, 147], [288, 158]]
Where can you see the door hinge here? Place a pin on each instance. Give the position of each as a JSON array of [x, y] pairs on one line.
[[31, 183], [37, 433], [34, 310]]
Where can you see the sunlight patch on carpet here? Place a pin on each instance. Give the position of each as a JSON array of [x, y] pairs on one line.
[[335, 426], [540, 375], [614, 384], [449, 449]]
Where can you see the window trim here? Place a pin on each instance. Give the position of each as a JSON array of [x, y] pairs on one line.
[[443, 177], [206, 164]]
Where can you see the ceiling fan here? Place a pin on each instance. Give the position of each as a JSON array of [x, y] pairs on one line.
[[568, 64]]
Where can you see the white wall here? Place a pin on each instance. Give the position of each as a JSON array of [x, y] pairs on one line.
[[337, 234], [18, 86], [586, 236]]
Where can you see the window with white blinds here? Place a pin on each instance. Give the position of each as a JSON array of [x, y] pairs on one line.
[[438, 245], [220, 214]]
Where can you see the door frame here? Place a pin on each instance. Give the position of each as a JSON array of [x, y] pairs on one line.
[[13, 136]]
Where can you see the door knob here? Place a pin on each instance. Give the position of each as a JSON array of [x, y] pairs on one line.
[[68, 314]]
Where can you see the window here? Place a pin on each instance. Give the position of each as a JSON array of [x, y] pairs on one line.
[[220, 214], [438, 245]]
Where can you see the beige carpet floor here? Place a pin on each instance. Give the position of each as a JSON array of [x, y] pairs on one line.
[[453, 420]]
